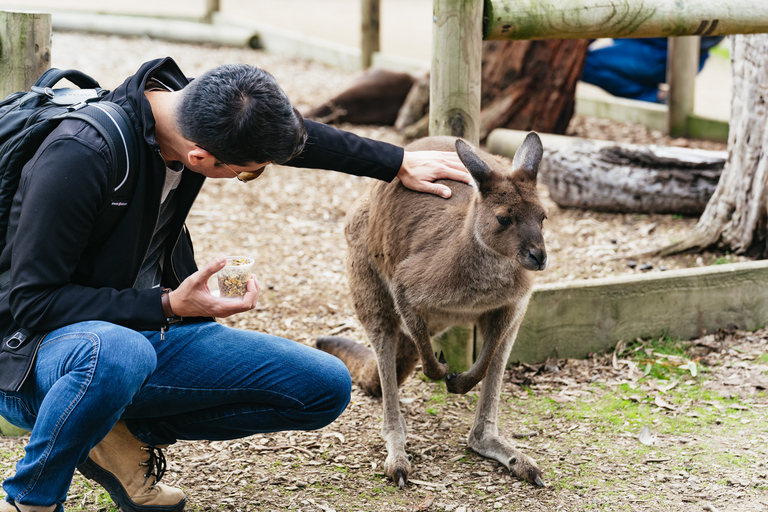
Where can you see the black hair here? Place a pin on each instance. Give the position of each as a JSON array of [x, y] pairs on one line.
[[240, 115]]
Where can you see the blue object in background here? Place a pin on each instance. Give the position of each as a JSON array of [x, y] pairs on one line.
[[634, 68]]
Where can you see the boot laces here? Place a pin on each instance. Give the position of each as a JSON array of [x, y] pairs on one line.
[[155, 464]]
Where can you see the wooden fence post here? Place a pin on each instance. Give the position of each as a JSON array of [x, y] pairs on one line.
[[457, 38], [25, 49], [211, 8], [682, 67], [370, 42]]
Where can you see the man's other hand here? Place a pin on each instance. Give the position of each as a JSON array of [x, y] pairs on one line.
[[194, 298]]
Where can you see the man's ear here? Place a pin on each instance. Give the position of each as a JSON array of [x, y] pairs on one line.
[[197, 155]]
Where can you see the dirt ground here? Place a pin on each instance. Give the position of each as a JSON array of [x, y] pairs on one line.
[[656, 425]]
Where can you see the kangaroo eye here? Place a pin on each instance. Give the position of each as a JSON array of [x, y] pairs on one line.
[[505, 221]]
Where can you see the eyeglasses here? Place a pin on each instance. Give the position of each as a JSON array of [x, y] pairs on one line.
[[243, 176]]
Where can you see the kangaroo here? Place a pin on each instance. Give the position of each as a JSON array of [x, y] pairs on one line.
[[419, 264]]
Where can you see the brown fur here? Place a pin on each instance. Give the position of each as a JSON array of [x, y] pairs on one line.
[[374, 98], [419, 264]]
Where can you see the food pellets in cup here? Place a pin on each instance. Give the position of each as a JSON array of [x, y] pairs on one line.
[[233, 278]]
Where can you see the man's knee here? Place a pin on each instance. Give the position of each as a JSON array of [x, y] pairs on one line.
[[337, 385], [124, 356]]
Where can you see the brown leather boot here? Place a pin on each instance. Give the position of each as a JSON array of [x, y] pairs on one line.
[[130, 471], [18, 507]]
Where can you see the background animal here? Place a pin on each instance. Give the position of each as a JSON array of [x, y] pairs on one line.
[[419, 264], [375, 98]]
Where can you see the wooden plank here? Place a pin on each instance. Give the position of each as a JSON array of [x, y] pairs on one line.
[[587, 19], [25, 49], [576, 318], [709, 129], [682, 68], [454, 104], [370, 43], [158, 28], [652, 115]]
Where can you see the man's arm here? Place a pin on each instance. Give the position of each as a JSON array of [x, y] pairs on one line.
[[336, 150]]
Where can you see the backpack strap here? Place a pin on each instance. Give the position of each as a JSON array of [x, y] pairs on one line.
[[114, 125], [52, 75]]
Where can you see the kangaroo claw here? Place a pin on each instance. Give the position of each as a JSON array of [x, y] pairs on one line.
[[441, 359], [539, 482], [400, 479]]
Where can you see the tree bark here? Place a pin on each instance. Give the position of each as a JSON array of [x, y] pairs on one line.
[[632, 178], [735, 217], [530, 85], [526, 85]]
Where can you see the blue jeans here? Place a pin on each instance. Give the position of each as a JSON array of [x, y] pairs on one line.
[[204, 381]]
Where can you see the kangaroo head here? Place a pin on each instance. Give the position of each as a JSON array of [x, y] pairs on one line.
[[508, 215]]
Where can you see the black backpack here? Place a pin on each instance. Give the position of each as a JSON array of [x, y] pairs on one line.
[[28, 117]]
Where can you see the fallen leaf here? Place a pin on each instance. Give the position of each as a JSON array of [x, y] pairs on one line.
[[646, 437], [337, 435], [664, 405], [426, 503], [691, 367]]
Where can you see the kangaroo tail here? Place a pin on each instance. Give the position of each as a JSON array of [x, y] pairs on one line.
[[359, 360]]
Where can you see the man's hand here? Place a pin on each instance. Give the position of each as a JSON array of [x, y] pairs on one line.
[[193, 298], [420, 169]]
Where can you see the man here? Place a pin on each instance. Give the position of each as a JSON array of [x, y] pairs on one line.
[[635, 68], [116, 375]]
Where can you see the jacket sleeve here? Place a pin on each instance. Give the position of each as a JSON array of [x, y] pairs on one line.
[[336, 150], [63, 189]]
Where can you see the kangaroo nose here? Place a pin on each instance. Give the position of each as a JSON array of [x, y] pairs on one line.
[[537, 259]]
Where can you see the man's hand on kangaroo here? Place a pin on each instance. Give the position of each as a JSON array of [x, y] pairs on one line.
[[420, 170]]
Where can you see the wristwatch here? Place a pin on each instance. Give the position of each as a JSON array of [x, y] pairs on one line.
[[170, 317]]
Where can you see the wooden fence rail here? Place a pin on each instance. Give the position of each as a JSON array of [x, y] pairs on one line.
[[457, 43], [588, 19]]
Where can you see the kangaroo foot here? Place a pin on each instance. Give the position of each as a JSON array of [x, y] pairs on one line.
[[518, 464], [397, 467]]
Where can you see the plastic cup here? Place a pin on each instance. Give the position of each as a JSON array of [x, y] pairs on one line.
[[233, 278]]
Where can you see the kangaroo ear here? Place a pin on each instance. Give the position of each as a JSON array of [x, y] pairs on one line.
[[472, 161], [528, 155]]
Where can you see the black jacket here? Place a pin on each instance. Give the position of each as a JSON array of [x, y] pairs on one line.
[[64, 270]]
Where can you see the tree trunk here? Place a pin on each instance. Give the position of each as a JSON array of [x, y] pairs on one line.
[[530, 85], [735, 217], [526, 85], [632, 178]]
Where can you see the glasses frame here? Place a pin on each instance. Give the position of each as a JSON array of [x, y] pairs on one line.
[[242, 176]]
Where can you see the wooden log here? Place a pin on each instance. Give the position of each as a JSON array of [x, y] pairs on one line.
[[25, 49], [632, 178], [454, 102], [415, 106], [587, 19], [370, 42], [682, 68]]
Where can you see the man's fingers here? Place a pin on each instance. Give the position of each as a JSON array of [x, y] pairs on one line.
[[213, 266], [456, 175]]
